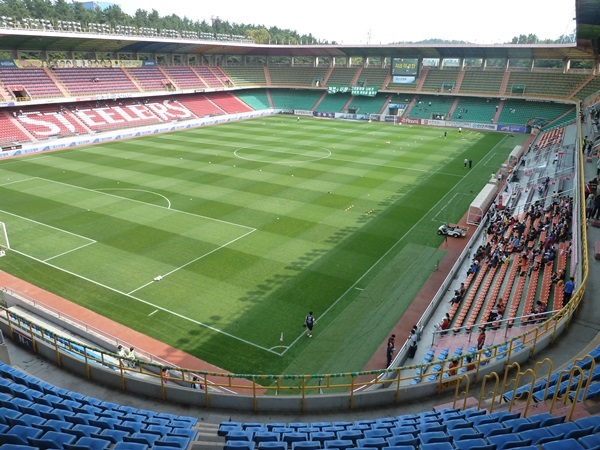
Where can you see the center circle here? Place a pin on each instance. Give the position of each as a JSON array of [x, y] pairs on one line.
[[282, 156]]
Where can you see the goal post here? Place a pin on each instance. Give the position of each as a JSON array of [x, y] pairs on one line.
[[4, 242]]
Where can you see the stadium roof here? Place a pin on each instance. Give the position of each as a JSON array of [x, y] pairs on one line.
[[84, 42], [587, 47]]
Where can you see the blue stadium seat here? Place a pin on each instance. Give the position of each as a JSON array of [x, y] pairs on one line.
[[181, 432], [113, 436], [483, 419], [402, 440], [24, 419], [56, 414], [5, 413], [19, 434], [376, 442], [238, 435], [437, 446], [239, 445], [306, 445], [535, 435], [564, 444], [265, 436], [488, 428], [141, 438], [226, 427], [576, 434], [341, 444], [468, 444], [174, 441], [282, 430], [272, 446], [53, 425], [133, 446], [51, 440], [591, 441], [433, 436], [148, 438], [404, 429], [506, 441], [160, 430], [36, 409], [401, 447], [562, 428], [458, 423], [104, 423], [460, 434], [590, 421], [378, 432], [290, 438], [86, 443], [353, 435], [322, 436]]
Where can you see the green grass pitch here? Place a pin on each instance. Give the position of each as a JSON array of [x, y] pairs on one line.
[[251, 225]]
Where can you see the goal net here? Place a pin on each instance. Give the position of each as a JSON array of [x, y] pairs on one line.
[[4, 243]]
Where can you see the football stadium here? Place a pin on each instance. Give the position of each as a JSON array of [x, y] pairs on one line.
[[210, 242]]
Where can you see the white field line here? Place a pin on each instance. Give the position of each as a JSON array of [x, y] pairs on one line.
[[434, 218], [160, 308], [138, 190], [388, 251], [69, 251], [193, 261], [16, 181], [148, 204], [90, 241], [314, 158]]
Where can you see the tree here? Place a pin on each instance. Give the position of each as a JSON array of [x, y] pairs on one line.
[[63, 10], [260, 36], [14, 8]]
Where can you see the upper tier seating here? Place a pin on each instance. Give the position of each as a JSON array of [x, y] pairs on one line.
[[482, 81], [150, 78], [36, 81], [94, 80], [184, 77]]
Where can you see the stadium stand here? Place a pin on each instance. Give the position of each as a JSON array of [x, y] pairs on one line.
[[440, 80], [94, 80], [283, 98], [482, 82], [36, 83]]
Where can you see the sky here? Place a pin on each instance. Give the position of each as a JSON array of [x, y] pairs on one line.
[[383, 22]]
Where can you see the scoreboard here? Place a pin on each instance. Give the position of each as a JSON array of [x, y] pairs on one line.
[[405, 70]]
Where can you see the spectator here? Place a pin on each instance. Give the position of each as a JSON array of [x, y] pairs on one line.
[[452, 367], [392, 341], [131, 357], [589, 206], [470, 364], [568, 291], [389, 354], [481, 339], [122, 354]]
